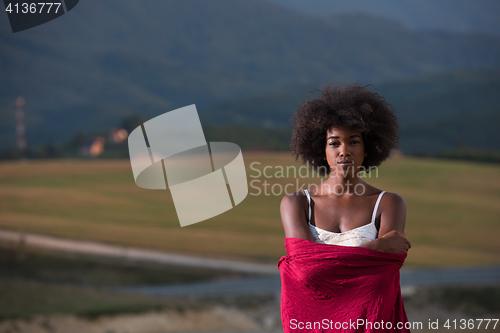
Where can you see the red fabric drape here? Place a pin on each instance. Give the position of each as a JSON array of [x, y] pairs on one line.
[[330, 288]]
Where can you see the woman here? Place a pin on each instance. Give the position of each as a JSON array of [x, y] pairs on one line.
[[345, 238]]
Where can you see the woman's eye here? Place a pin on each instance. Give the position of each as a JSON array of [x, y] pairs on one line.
[[354, 142], [335, 144]]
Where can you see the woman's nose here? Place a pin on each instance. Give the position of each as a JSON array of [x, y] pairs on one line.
[[344, 152]]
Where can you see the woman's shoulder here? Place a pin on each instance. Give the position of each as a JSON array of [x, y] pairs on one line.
[[294, 208], [392, 212], [389, 197], [393, 199], [389, 202], [299, 198], [295, 200]]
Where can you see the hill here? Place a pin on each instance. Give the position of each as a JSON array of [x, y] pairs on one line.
[[435, 110], [450, 15], [108, 59]]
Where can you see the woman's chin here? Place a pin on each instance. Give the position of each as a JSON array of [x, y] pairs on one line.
[[344, 170]]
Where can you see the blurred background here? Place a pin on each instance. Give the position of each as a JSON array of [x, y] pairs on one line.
[[71, 215]]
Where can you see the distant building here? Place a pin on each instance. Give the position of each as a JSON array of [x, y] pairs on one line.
[[396, 153], [93, 147], [117, 135]]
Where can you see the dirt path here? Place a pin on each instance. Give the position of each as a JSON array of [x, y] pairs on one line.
[[15, 238]]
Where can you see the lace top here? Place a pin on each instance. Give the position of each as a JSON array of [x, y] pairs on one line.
[[354, 237]]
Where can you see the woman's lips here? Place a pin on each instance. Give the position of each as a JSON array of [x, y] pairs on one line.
[[345, 162]]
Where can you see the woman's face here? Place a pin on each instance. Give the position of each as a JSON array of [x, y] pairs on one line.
[[345, 151]]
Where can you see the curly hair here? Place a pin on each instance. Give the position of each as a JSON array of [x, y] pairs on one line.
[[344, 105]]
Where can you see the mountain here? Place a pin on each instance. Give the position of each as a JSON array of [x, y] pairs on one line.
[[455, 132], [108, 59], [465, 16], [437, 112], [417, 100], [423, 99]]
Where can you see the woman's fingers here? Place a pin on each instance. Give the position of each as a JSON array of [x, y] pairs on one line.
[[395, 242], [405, 244]]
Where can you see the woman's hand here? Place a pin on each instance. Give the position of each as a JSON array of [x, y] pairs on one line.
[[393, 242]]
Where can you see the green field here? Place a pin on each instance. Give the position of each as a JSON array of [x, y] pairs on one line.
[[453, 208]]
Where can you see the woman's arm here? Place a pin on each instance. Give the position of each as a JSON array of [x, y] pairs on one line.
[[294, 216], [391, 236]]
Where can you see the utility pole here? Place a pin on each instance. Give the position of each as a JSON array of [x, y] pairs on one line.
[[20, 129]]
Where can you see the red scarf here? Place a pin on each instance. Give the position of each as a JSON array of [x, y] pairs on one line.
[[331, 288]]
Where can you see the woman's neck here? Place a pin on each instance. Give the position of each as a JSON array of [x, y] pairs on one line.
[[340, 185]]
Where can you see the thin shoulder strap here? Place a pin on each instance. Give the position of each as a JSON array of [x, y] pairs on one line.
[[309, 202], [376, 206]]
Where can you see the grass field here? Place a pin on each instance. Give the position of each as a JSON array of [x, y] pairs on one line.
[[453, 208]]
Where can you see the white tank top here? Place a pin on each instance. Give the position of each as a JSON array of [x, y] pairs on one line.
[[354, 237]]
